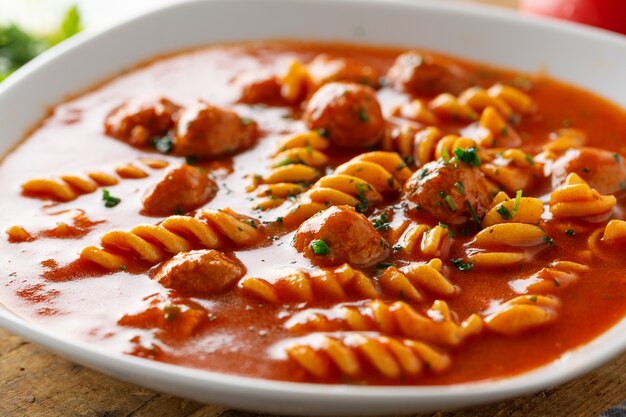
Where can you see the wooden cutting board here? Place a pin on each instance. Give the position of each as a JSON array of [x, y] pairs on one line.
[[36, 383]]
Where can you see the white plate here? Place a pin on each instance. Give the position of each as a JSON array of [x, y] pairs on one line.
[[590, 58]]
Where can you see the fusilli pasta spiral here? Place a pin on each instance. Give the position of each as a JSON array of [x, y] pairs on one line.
[[352, 353], [576, 199], [69, 187], [399, 318], [523, 313], [360, 181], [212, 229], [299, 161]]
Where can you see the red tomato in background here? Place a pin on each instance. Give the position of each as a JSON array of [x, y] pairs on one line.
[[607, 14]]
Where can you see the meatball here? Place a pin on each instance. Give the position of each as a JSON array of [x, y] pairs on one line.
[[603, 170], [426, 75], [207, 131], [182, 189], [199, 273], [340, 235], [349, 113], [260, 88], [325, 69], [139, 120], [448, 190]]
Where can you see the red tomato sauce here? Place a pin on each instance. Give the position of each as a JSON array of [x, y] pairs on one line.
[[44, 280]]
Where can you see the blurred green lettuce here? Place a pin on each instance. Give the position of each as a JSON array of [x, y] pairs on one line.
[[17, 46]]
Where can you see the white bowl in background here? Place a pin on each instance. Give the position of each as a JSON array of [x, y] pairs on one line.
[[590, 58]]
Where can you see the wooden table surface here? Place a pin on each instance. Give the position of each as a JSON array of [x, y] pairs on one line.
[[36, 383]]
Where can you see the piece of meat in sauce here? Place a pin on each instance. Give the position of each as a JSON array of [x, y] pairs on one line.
[[137, 121], [260, 87], [446, 190], [426, 75], [181, 190], [340, 235], [200, 273], [325, 69], [206, 131], [349, 114], [603, 170]]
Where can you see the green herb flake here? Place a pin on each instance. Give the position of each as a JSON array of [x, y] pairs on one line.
[[460, 187], [504, 212], [191, 160], [423, 173], [473, 213], [445, 155], [548, 240], [440, 224], [567, 123], [323, 133], [467, 156], [383, 265], [450, 203], [518, 199], [570, 232], [246, 121], [109, 200], [164, 144], [319, 247], [461, 265], [363, 116], [530, 160], [617, 157], [171, 312], [122, 267], [284, 162], [504, 132], [381, 223], [533, 298]]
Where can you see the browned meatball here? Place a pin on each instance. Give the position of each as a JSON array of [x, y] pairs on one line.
[[325, 69], [603, 170], [139, 120], [207, 131], [182, 189], [199, 273], [448, 190], [340, 235], [349, 113], [260, 88], [421, 74]]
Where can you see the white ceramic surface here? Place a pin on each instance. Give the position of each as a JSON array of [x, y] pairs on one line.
[[591, 58]]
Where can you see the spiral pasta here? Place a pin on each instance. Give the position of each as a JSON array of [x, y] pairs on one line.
[[398, 318], [614, 232], [510, 169], [506, 210], [295, 82], [212, 229], [431, 241], [523, 313], [340, 283], [564, 139], [70, 187], [411, 280], [558, 275], [298, 161], [352, 353], [576, 199], [359, 182], [505, 244]]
